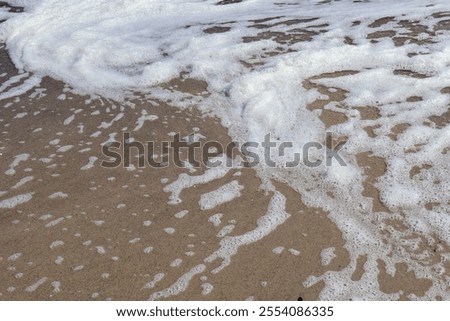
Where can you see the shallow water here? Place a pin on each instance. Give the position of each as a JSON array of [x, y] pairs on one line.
[[374, 73]]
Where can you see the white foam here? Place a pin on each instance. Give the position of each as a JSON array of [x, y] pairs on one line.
[[28, 84], [96, 134], [112, 48], [16, 200], [194, 137], [224, 194], [17, 160], [207, 288], [181, 214], [56, 286], [14, 256], [64, 149], [229, 245], [158, 277], [57, 195], [148, 249], [227, 229], [169, 230], [100, 249], [278, 250], [45, 217], [180, 285], [106, 125], [176, 263], [56, 244], [185, 181], [90, 164], [98, 222], [54, 141], [135, 240], [144, 117], [59, 260], [36, 285], [20, 115], [68, 120], [216, 219], [55, 222], [77, 268], [22, 182]]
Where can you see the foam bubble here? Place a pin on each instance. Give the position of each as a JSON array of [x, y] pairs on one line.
[[36, 285], [16, 200], [223, 194], [258, 86], [180, 285]]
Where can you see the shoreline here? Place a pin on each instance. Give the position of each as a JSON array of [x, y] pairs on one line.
[[99, 238], [100, 233], [374, 229]]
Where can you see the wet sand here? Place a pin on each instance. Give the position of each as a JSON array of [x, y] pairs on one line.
[[95, 233], [102, 235], [111, 208]]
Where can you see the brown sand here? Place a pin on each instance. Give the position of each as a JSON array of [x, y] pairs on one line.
[[93, 218], [92, 197]]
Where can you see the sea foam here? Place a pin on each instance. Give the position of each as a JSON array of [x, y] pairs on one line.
[[268, 82]]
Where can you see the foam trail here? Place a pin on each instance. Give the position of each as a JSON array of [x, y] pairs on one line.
[[229, 246], [27, 85], [16, 200], [180, 285], [280, 68]]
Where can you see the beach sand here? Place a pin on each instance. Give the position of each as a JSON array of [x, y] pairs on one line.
[[71, 229], [90, 218], [104, 234]]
